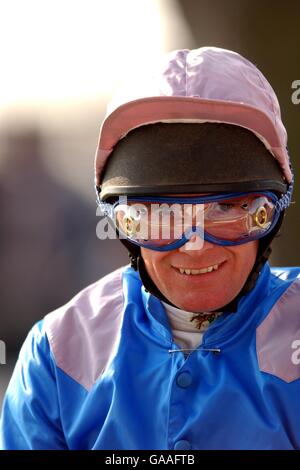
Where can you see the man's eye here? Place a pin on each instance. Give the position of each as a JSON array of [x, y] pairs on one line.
[[226, 206]]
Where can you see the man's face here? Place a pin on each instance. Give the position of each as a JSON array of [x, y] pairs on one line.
[[201, 292]]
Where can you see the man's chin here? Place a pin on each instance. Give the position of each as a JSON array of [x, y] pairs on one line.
[[196, 306]]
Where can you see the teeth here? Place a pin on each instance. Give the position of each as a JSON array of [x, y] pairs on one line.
[[209, 269]]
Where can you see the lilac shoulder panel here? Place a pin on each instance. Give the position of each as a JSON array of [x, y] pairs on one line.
[[278, 337], [83, 333]]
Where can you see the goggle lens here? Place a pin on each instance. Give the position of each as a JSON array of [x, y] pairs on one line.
[[163, 221]]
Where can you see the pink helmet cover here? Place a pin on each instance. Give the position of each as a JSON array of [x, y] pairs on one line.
[[203, 85]]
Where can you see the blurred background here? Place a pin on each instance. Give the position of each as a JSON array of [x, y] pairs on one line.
[[61, 62]]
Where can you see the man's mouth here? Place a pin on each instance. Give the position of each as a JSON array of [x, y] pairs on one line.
[[193, 272]]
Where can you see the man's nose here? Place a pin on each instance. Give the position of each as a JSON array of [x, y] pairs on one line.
[[195, 244]]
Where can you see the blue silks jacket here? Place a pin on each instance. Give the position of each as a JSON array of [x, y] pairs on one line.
[[103, 372]]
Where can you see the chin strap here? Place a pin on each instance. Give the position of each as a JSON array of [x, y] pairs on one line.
[[250, 282], [263, 254]]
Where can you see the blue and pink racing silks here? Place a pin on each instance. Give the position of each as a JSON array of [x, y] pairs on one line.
[[103, 372]]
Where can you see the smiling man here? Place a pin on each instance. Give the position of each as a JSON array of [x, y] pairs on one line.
[[195, 345], [188, 279]]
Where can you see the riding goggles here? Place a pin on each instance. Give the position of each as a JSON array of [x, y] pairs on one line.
[[166, 223]]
